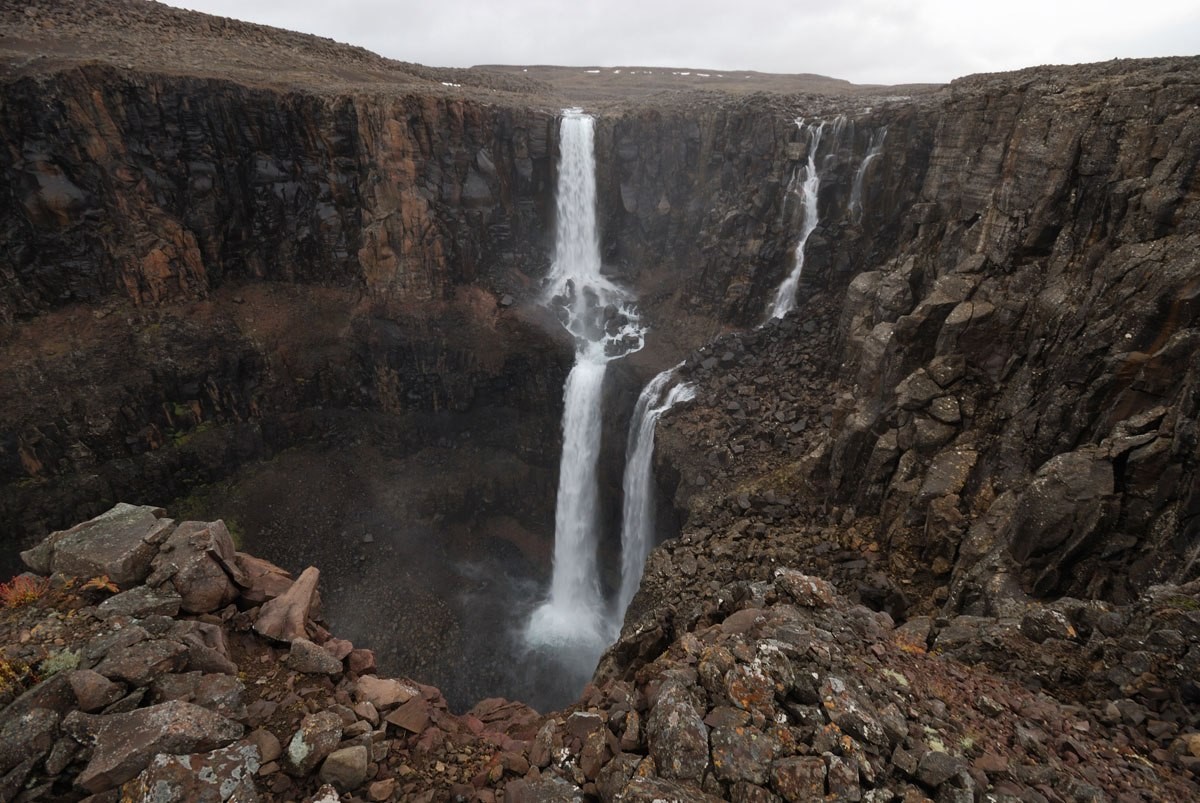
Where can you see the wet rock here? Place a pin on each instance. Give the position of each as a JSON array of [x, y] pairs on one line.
[[125, 743], [118, 544]]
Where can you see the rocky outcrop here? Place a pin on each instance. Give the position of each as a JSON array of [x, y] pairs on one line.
[[778, 689], [1007, 405]]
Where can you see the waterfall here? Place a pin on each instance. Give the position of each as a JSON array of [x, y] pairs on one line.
[[874, 148], [637, 518], [572, 621], [785, 296]]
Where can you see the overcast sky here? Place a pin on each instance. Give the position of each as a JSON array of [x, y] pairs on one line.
[[865, 41]]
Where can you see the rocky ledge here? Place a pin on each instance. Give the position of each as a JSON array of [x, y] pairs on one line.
[[146, 659]]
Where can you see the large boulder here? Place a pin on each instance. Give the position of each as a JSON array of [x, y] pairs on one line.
[[119, 544], [125, 743], [678, 736], [214, 777], [197, 560]]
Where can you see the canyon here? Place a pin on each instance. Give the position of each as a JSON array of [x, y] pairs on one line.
[[311, 300]]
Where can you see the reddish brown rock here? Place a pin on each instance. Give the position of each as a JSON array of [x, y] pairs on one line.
[[413, 716], [125, 743], [285, 618]]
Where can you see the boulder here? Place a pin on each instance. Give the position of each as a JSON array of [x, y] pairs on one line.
[[743, 753], [285, 618], [678, 736], [144, 661], [218, 776], [317, 737], [413, 716], [261, 580], [799, 779], [660, 790], [803, 589], [311, 659], [93, 690], [1060, 513], [28, 737], [125, 743], [195, 560], [346, 768], [140, 602], [119, 544], [383, 693]]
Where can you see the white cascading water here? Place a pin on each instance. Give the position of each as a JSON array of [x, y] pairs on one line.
[[637, 518], [874, 149], [572, 622], [785, 296]]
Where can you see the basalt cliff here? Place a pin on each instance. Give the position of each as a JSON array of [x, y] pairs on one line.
[[932, 535]]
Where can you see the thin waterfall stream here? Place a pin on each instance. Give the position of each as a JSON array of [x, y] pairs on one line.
[[785, 296], [638, 532]]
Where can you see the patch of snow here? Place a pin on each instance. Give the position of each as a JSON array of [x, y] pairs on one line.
[[592, 72]]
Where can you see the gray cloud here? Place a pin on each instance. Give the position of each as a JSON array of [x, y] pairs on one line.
[[867, 41]]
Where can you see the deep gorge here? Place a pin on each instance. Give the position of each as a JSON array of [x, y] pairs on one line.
[[228, 272], [319, 313]]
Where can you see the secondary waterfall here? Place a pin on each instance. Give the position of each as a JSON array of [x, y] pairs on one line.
[[785, 296], [599, 313], [874, 148], [637, 516]]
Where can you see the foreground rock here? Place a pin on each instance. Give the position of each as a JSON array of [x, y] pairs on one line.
[[770, 689]]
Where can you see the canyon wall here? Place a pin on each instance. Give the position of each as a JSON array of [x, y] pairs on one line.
[[198, 272], [998, 402]]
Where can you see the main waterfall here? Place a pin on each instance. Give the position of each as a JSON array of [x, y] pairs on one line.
[[572, 622], [637, 518]]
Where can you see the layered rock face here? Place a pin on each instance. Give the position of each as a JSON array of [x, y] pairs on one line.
[[1013, 406], [247, 258]]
